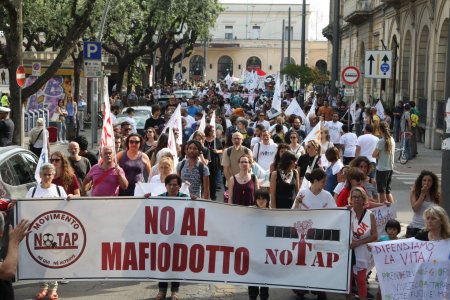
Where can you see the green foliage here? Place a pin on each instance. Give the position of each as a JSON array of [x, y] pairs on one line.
[[305, 74]]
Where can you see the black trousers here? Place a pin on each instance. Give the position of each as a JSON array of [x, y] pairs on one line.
[[262, 291], [174, 286]]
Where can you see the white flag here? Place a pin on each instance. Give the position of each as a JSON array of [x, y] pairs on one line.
[[380, 109], [44, 155], [212, 122], [202, 125], [107, 136], [352, 110], [276, 101], [175, 122], [228, 80], [295, 109], [172, 145], [314, 134]]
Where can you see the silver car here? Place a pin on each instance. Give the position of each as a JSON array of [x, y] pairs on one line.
[[17, 168]]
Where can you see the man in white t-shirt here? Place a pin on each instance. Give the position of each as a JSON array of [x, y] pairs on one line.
[[262, 120], [335, 129], [348, 144], [366, 144], [264, 151]]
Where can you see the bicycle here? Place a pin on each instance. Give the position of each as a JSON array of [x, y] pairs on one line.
[[403, 156]]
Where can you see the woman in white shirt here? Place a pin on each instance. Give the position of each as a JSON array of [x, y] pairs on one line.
[[46, 189], [165, 167], [294, 146], [315, 197]]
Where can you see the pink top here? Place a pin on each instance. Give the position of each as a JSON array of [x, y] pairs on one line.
[[108, 185]]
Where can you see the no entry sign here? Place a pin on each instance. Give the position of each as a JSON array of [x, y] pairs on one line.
[[20, 76], [350, 75]]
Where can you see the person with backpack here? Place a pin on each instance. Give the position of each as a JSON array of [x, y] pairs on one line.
[[264, 152], [193, 172], [230, 159], [46, 189]]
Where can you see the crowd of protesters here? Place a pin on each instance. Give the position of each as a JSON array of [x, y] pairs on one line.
[[253, 157]]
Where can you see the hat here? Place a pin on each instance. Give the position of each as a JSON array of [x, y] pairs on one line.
[[40, 122], [4, 109]]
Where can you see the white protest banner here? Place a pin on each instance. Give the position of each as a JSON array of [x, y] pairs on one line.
[[295, 109], [175, 239], [155, 189], [175, 122], [410, 269], [382, 215]]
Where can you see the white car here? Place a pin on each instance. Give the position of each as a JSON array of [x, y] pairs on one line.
[[140, 110], [188, 93]]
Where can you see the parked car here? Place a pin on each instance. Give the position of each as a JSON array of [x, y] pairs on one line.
[[188, 93], [17, 168], [139, 118], [140, 110]]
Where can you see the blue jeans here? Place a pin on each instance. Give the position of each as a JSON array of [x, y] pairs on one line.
[[407, 145], [61, 131]]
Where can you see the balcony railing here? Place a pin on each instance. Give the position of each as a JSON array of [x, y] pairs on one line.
[[357, 11], [393, 3]]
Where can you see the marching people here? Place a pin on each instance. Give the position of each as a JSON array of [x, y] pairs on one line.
[[193, 172], [294, 144], [348, 144], [384, 153], [243, 185], [284, 182], [437, 225], [364, 231], [134, 163], [47, 189], [310, 159], [425, 193], [282, 148], [64, 176], [80, 165], [60, 115], [265, 150], [150, 138], [231, 155], [165, 168], [105, 178], [215, 149]]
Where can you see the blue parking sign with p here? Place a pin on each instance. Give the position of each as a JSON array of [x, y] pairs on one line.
[[92, 50]]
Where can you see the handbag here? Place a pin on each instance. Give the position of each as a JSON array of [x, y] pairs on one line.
[[31, 145], [55, 117]]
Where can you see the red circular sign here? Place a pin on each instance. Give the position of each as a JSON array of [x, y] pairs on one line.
[[350, 75], [20, 76]]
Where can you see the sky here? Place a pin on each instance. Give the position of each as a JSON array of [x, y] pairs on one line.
[[320, 10]]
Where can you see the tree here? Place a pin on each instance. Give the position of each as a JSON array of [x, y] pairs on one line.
[[305, 74], [80, 18]]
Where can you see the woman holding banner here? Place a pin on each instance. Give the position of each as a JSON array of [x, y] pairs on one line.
[[424, 194], [364, 231], [243, 186], [437, 225]]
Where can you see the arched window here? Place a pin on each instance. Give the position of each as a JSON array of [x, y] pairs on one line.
[[196, 68], [321, 65], [286, 61], [224, 67], [253, 63]]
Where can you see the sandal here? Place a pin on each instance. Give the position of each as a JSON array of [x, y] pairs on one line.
[[53, 295], [175, 296], [42, 294], [161, 295]]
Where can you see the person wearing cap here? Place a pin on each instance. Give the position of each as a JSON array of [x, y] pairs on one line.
[[6, 127], [37, 138], [129, 119]]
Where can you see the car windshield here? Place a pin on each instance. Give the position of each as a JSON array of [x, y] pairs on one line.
[[140, 120]]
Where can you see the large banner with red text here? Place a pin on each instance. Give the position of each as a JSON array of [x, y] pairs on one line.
[[179, 240]]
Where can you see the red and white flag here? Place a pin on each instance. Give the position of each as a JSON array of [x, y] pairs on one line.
[[107, 137]]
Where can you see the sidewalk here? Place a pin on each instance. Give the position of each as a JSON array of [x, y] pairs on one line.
[[427, 159]]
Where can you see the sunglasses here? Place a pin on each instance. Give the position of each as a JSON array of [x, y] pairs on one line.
[[55, 159], [135, 142], [127, 129]]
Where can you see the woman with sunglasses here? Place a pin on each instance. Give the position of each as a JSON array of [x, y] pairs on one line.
[[134, 163], [364, 231], [294, 146], [310, 159], [65, 176], [151, 139]]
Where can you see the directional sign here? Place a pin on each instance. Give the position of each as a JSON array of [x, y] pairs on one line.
[[36, 69], [350, 75], [378, 64], [92, 57]]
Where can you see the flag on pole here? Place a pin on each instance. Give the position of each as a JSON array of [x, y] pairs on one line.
[[380, 109], [352, 110], [295, 109], [175, 122], [43, 158], [107, 136], [172, 145], [314, 134], [202, 125]]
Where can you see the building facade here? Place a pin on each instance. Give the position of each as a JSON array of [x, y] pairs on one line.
[[248, 37], [416, 31]]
